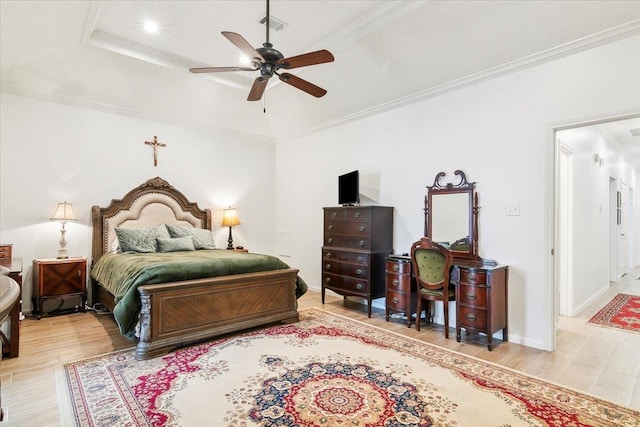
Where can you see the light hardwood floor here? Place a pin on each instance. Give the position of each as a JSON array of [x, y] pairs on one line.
[[600, 361]]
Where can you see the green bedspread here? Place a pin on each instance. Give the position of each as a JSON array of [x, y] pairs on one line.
[[121, 274]]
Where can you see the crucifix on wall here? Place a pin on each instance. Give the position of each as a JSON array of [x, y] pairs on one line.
[[155, 144]]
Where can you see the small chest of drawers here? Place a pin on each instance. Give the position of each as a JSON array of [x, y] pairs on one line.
[[481, 300], [356, 241], [401, 295], [59, 279]]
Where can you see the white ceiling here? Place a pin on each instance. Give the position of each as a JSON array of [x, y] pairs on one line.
[[388, 53]]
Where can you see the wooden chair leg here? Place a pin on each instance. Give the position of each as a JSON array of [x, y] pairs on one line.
[[446, 318], [418, 313]]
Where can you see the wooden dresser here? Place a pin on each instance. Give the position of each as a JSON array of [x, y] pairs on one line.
[[401, 292], [356, 243], [481, 299]]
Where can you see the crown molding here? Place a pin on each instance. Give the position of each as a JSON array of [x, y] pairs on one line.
[[611, 35], [126, 112]]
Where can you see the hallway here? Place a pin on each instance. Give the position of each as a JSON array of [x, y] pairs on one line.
[[602, 361]]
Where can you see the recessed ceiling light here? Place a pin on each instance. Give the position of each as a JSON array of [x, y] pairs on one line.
[[151, 27]]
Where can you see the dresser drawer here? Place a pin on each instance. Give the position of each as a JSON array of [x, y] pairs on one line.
[[5, 251], [398, 267], [349, 284], [346, 256], [473, 318], [473, 277], [359, 242], [473, 296], [345, 269], [398, 283], [397, 301], [346, 227], [334, 213]]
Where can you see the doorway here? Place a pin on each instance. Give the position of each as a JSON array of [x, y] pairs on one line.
[[593, 213]]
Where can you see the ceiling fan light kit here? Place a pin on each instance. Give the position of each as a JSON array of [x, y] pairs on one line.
[[269, 61]]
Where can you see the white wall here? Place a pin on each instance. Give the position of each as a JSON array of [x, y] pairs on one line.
[[499, 132], [51, 153]]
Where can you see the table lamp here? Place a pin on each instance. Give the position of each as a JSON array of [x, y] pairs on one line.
[[63, 214], [229, 219]]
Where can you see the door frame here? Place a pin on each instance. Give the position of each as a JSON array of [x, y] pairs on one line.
[[552, 265]]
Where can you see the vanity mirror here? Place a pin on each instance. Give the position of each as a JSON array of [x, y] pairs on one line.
[[451, 216]]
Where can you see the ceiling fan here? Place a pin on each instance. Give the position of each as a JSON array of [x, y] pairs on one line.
[[268, 61]]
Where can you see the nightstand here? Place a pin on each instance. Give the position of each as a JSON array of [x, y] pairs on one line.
[[59, 279]]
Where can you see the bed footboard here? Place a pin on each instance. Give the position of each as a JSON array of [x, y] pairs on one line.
[[183, 312]]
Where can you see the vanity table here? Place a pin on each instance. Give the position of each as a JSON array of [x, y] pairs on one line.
[[481, 285]]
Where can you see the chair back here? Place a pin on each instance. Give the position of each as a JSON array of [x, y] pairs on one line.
[[431, 264]]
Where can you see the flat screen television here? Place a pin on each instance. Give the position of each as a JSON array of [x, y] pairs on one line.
[[349, 189]]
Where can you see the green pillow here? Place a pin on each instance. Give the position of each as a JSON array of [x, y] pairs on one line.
[[175, 244], [140, 240], [202, 238]]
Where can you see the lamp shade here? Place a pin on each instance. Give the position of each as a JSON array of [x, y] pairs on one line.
[[230, 217], [63, 212]]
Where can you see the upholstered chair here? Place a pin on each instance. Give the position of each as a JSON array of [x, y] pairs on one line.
[[431, 266]]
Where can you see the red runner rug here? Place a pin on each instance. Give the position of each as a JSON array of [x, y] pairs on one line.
[[622, 312], [325, 371]]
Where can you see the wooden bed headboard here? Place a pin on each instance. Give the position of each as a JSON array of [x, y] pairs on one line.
[[153, 202]]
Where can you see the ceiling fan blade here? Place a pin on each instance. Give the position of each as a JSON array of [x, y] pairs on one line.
[[220, 69], [303, 85], [311, 58], [258, 87], [242, 44]]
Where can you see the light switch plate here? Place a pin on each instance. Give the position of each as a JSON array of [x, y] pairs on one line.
[[512, 209]]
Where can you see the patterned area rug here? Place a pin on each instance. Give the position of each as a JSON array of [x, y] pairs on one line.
[[326, 370], [622, 312]]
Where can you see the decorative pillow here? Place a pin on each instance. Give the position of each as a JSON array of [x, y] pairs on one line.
[[175, 244], [202, 238], [141, 240], [115, 247]]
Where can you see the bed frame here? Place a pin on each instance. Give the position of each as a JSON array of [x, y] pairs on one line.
[[178, 313]]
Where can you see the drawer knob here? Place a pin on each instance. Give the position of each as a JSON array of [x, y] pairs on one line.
[[362, 228], [472, 278], [471, 296], [359, 286], [396, 268], [357, 214], [396, 282], [361, 242], [327, 266], [359, 272], [359, 259], [328, 254], [330, 227], [329, 240], [328, 279], [334, 214], [395, 300], [471, 317]]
